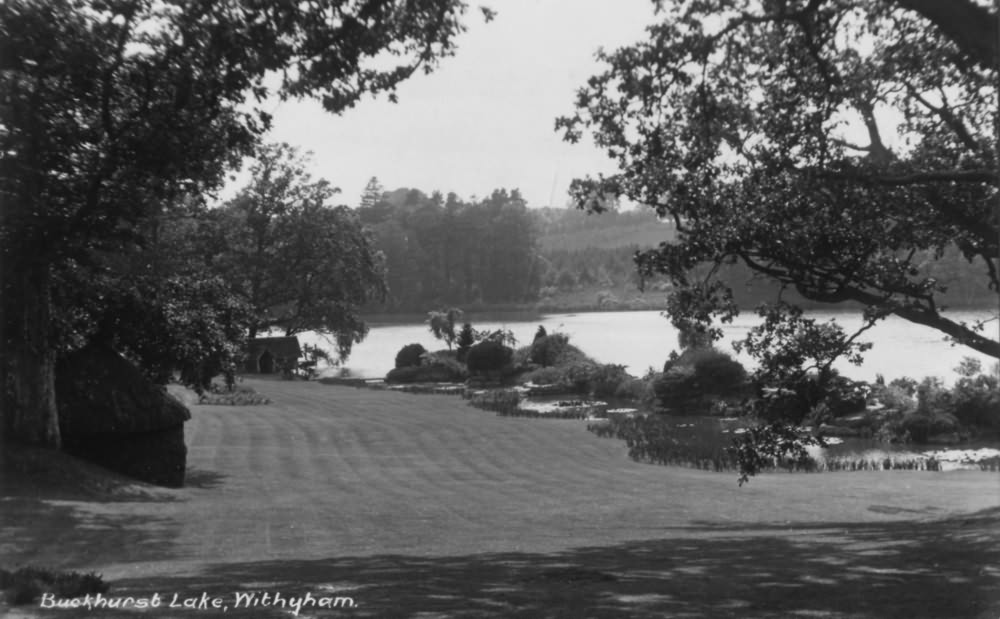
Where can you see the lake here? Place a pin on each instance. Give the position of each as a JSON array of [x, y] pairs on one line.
[[640, 340]]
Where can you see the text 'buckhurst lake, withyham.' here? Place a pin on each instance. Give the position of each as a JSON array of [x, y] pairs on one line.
[[237, 600]]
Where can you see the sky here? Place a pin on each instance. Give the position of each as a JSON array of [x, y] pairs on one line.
[[485, 119]]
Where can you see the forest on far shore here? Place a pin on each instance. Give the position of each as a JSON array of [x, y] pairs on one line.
[[498, 253]]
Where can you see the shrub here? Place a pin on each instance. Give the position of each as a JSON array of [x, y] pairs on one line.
[[605, 380], [548, 349], [894, 397], [636, 390], [697, 374], [580, 375], [976, 397], [446, 360], [466, 338], [540, 333], [421, 374], [546, 376], [843, 396], [923, 424], [488, 356], [716, 372], [906, 385], [677, 386], [409, 355]]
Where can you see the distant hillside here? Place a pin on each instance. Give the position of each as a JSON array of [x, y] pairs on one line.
[[583, 257], [571, 229]]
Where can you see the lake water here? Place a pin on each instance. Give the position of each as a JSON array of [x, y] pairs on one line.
[[639, 340]]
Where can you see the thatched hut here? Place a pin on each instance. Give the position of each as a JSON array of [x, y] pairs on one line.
[[271, 355]]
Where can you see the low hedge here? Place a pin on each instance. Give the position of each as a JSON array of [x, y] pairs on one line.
[[423, 374]]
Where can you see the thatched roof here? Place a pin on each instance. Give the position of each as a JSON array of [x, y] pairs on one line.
[[285, 347]]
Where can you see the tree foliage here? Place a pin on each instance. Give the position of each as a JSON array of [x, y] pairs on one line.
[[299, 262], [836, 147], [442, 324], [443, 251], [114, 112]]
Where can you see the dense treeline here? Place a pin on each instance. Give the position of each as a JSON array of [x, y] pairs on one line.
[[446, 251], [496, 251]]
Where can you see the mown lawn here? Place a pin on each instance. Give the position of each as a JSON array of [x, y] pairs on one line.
[[424, 506]]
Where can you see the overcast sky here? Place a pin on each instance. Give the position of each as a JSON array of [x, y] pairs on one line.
[[483, 120]]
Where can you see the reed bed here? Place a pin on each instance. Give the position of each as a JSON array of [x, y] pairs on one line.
[[501, 401], [655, 439]]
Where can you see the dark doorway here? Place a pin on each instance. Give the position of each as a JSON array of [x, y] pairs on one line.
[[265, 363]]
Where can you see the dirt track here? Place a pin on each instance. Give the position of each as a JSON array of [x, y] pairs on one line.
[[332, 473]]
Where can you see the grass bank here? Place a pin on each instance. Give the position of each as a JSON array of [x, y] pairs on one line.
[[422, 504]]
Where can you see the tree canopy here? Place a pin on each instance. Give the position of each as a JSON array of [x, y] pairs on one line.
[[299, 262], [116, 111], [838, 147], [443, 251]]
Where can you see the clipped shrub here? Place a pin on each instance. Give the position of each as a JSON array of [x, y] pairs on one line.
[[410, 355], [488, 356], [421, 374]]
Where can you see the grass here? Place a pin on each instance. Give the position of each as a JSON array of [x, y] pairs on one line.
[[422, 505]]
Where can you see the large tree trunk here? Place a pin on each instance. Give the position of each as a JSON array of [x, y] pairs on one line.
[[32, 417]]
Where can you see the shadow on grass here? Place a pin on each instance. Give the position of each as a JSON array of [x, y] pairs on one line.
[[202, 479], [73, 535], [947, 568]]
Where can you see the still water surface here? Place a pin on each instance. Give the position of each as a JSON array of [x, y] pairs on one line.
[[640, 340]]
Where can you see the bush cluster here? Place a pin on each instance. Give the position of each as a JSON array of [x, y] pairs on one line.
[[552, 349], [437, 367], [916, 411], [696, 374], [488, 357], [410, 355]]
